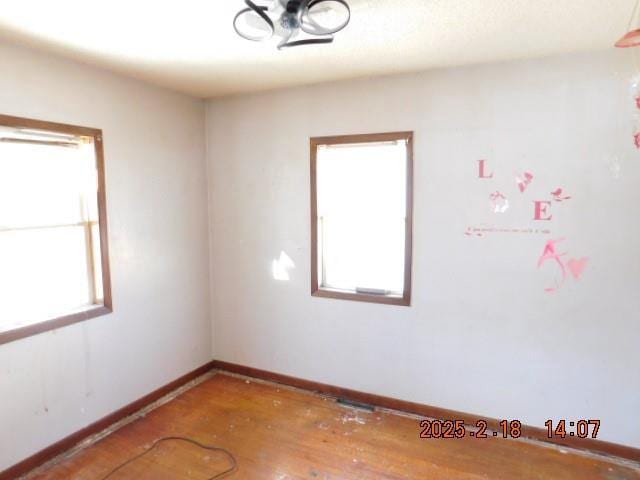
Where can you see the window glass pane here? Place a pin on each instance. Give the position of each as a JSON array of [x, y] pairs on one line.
[[49, 234], [46, 185], [43, 274], [362, 216]]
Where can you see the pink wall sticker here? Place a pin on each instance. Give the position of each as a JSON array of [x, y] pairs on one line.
[[524, 181], [550, 252], [482, 230], [541, 210], [482, 169], [472, 232], [566, 266], [558, 195], [499, 202], [635, 96], [576, 266]]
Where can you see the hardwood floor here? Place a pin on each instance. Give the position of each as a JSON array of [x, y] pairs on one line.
[[278, 433]]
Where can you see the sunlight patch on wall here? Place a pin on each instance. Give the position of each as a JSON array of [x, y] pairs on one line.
[[281, 266]]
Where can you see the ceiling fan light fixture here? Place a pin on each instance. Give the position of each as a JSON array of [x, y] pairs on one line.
[[287, 19]]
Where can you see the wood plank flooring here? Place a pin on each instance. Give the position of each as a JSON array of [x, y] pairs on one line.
[[278, 433]]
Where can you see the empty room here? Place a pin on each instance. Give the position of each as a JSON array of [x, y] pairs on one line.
[[320, 239]]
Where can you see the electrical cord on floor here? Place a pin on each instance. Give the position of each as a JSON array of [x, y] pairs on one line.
[[234, 463]]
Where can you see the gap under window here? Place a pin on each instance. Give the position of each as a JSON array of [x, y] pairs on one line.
[[54, 267], [361, 209]]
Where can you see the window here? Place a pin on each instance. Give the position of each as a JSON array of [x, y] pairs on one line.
[[54, 267], [361, 217]]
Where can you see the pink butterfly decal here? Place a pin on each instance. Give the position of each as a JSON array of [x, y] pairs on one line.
[[524, 182], [638, 102], [636, 139], [557, 195]]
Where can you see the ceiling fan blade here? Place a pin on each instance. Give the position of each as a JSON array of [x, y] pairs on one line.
[[254, 16], [289, 34], [311, 19], [307, 41], [255, 21]]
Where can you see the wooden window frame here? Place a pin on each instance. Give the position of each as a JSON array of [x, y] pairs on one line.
[[90, 311], [316, 289]]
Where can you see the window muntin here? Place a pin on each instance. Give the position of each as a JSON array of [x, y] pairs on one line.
[[361, 225], [53, 264]]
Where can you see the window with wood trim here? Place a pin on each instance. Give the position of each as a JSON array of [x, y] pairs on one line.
[[361, 217], [54, 267]]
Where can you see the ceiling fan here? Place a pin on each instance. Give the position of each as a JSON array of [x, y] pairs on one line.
[[295, 22]]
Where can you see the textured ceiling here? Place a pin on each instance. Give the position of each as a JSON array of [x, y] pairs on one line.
[[190, 45]]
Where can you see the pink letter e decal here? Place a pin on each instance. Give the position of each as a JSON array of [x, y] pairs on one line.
[[542, 210]]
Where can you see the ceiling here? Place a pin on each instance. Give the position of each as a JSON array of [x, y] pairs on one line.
[[190, 45]]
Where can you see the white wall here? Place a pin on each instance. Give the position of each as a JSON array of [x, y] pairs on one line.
[[482, 336], [53, 384]]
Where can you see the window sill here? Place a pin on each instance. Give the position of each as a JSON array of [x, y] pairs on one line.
[[404, 301], [81, 315]]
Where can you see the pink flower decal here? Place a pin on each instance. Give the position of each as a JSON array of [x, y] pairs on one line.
[[499, 202]]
